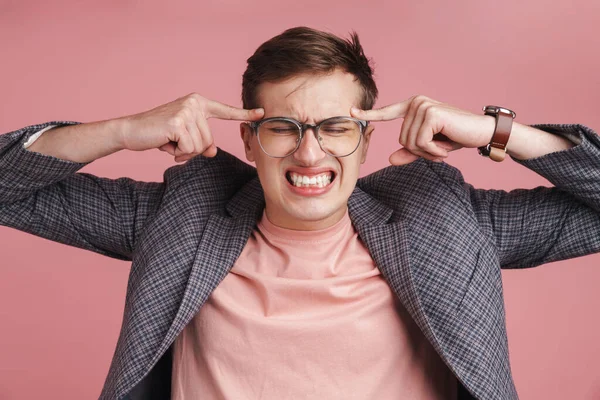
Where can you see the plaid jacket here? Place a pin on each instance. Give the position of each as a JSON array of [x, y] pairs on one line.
[[438, 241]]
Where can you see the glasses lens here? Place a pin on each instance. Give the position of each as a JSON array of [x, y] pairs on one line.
[[340, 136], [278, 138]]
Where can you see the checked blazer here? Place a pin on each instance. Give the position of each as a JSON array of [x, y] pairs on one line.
[[439, 242]]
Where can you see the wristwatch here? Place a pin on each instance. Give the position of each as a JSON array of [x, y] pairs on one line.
[[496, 149]]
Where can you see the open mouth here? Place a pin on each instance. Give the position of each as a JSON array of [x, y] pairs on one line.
[[314, 181]]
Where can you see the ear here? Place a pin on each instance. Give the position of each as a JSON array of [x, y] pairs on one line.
[[247, 135], [365, 143]]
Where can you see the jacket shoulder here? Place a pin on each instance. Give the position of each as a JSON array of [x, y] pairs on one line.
[[414, 182], [211, 181]]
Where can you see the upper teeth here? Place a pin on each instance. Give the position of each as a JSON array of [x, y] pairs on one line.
[[321, 180]]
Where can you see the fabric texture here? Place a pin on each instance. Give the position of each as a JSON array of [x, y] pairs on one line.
[[438, 242], [306, 315]]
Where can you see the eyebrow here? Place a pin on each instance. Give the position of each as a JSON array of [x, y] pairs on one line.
[[304, 122]]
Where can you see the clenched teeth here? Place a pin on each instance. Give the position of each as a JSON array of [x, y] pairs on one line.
[[320, 181]]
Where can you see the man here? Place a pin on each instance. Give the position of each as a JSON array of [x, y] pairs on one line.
[[297, 279]]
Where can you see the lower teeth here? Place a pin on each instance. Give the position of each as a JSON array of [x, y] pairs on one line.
[[300, 184]]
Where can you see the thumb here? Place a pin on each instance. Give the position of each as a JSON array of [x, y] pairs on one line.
[[211, 151], [402, 157]]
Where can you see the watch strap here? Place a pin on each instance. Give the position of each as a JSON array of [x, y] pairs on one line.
[[496, 149]]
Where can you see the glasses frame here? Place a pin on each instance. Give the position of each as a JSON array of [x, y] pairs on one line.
[[304, 127]]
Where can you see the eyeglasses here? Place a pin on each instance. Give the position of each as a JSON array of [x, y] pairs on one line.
[[337, 136]]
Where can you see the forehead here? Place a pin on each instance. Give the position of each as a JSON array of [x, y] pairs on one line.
[[310, 98]]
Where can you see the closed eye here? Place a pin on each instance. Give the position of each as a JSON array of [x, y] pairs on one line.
[[335, 131]]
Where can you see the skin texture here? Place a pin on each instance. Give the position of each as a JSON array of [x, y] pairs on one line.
[[308, 99]]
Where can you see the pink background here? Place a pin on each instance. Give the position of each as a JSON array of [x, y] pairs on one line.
[[61, 308]]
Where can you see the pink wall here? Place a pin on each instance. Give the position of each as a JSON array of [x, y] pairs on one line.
[[61, 308]]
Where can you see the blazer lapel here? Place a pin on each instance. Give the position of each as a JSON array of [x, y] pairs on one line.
[[222, 242], [387, 240]]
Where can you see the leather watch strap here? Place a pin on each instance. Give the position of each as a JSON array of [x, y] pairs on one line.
[[496, 149]]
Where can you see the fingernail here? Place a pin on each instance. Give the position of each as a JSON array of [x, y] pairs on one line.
[[259, 110], [356, 110]]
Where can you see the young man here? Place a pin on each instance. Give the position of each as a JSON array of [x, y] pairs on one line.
[[297, 279]]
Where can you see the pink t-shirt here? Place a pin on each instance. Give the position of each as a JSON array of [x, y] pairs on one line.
[[306, 315]]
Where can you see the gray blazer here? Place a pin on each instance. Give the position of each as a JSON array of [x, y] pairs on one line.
[[439, 243]]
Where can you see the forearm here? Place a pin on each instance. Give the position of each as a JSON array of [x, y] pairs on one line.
[[81, 143], [526, 142], [545, 224]]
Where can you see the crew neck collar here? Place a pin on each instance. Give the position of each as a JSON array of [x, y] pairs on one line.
[[313, 236]]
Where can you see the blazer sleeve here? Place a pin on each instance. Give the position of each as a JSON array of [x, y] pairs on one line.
[[545, 224], [47, 197]]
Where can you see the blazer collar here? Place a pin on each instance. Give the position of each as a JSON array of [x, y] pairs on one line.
[[249, 201]]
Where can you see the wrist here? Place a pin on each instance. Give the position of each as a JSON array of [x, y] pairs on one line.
[[488, 126], [118, 129]]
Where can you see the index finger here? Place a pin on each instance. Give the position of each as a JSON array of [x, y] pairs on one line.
[[224, 111], [387, 113]]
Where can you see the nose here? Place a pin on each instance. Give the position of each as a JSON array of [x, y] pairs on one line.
[[309, 152]]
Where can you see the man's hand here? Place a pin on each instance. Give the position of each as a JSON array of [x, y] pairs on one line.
[[431, 129], [180, 127]]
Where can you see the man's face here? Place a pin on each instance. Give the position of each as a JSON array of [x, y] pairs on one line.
[[308, 99]]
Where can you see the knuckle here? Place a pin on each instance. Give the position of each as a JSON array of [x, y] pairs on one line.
[[193, 102], [421, 142], [177, 122], [189, 104], [431, 111], [414, 106], [420, 98], [188, 112], [194, 98], [207, 142], [423, 101], [187, 109]]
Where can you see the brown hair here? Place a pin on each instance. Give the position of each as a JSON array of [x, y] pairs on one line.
[[303, 50]]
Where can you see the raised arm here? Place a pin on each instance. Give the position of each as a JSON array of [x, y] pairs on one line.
[[529, 227], [535, 226], [42, 193]]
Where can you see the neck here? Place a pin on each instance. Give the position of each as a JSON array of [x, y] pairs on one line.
[[289, 222]]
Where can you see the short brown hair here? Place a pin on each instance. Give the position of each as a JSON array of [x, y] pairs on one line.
[[303, 50]]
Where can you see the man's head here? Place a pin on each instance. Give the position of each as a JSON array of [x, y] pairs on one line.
[[307, 75]]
